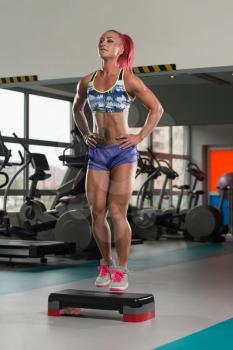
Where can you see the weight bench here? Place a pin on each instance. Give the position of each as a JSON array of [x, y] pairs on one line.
[[134, 307]]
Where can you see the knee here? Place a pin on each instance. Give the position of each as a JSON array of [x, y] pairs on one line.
[[116, 211], [98, 213]]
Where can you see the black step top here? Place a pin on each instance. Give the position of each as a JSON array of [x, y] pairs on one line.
[[99, 299]]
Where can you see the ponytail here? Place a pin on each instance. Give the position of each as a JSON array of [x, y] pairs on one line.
[[126, 59]]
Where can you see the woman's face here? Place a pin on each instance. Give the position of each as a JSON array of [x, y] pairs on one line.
[[110, 45]]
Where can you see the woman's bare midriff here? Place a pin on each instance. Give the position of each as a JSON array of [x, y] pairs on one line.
[[107, 126]]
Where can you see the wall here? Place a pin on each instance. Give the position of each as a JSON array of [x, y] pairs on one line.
[[189, 105], [209, 135], [58, 38], [221, 135]]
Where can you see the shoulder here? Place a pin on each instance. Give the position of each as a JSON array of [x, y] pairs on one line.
[[81, 87], [83, 82], [129, 77], [133, 83]]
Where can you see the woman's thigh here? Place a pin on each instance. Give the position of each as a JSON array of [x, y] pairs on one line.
[[120, 187], [97, 185]]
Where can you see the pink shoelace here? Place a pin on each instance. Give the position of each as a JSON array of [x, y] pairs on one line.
[[104, 270], [117, 276]]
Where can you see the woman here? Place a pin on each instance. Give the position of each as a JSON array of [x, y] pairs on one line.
[[112, 149]]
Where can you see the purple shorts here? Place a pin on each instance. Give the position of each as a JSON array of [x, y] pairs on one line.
[[107, 157]]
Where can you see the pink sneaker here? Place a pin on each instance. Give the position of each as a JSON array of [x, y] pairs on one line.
[[119, 279], [104, 277]]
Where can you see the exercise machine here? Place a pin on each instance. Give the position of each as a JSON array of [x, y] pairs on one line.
[[176, 224], [153, 223], [206, 223], [148, 221], [6, 228], [23, 248], [144, 166], [70, 220]]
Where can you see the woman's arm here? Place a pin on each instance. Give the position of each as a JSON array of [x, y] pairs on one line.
[[136, 88], [79, 103]]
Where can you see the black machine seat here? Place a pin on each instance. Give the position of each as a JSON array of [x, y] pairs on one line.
[[195, 171], [134, 307], [169, 172]]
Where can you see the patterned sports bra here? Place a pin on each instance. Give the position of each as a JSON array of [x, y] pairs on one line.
[[115, 99]]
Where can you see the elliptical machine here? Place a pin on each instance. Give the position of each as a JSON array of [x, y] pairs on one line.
[[5, 153], [149, 221], [6, 229], [70, 219], [144, 166], [176, 224], [26, 246], [153, 223]]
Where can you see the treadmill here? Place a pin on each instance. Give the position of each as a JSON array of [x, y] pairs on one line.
[[25, 248]]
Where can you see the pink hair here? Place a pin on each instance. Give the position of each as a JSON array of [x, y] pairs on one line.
[[126, 59]]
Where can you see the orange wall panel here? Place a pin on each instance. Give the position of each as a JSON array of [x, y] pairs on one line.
[[220, 162]]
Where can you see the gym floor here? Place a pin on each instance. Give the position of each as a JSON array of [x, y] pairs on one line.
[[192, 284]]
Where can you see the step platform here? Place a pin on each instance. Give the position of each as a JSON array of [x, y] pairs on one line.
[[134, 307], [34, 249]]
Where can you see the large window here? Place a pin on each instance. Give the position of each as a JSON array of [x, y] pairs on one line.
[[180, 146], [43, 123], [172, 144], [161, 139], [180, 140], [49, 119], [161, 145], [11, 112], [13, 204]]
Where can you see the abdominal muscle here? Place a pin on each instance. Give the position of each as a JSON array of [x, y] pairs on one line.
[[107, 126]]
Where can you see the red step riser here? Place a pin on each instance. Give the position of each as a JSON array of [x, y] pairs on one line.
[[126, 317], [140, 317], [54, 312]]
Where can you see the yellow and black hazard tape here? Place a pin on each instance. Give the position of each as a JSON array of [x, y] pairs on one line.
[[154, 68], [19, 79]]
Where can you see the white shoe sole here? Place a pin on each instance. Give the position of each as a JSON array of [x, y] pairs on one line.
[[102, 284], [116, 289]]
